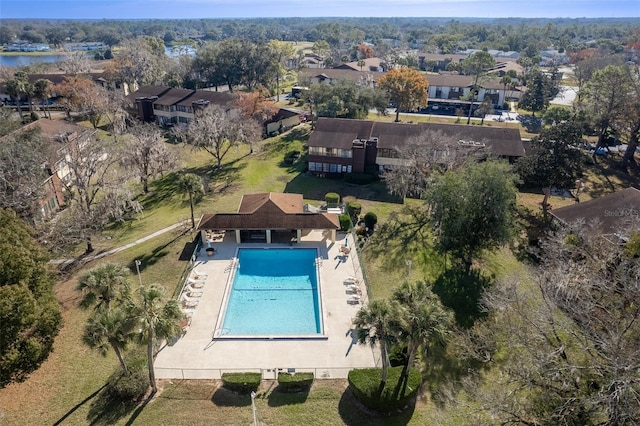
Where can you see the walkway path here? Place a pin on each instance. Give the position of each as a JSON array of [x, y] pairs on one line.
[[65, 262]]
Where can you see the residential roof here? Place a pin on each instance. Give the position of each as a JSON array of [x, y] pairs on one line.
[[270, 211], [217, 98], [286, 203], [340, 133], [284, 113], [369, 63], [457, 80], [147, 92], [173, 96], [339, 74], [608, 214]]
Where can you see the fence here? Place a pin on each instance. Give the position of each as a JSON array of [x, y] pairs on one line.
[[266, 373], [187, 269]]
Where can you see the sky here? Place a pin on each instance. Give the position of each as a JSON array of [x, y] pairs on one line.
[[186, 9]]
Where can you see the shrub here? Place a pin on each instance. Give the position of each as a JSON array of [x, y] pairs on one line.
[[370, 220], [241, 382], [131, 386], [295, 382], [332, 199], [354, 209], [365, 383], [345, 222], [34, 116], [359, 178], [291, 157]]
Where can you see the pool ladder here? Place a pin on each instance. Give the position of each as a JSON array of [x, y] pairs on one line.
[[318, 261]]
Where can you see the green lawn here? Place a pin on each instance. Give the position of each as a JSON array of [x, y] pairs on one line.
[[66, 387]]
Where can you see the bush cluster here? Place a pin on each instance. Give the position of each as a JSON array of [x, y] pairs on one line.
[[295, 382], [364, 383], [370, 220], [345, 222], [354, 209], [332, 199], [129, 387], [241, 382]]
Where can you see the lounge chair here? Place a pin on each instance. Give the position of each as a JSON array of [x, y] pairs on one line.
[[195, 283], [351, 280], [192, 289], [197, 275], [189, 303], [353, 289], [194, 294], [353, 300]]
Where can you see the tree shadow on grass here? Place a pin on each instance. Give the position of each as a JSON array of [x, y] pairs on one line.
[[460, 290], [78, 405], [354, 414], [314, 188], [279, 398], [105, 410], [154, 257]]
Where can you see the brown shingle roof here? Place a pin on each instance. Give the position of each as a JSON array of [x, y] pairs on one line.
[[270, 211], [173, 96], [222, 99], [339, 74], [286, 203], [147, 92], [340, 133], [610, 213]]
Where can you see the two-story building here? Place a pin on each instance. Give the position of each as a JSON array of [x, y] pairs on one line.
[[453, 91], [171, 106], [339, 146], [57, 139]]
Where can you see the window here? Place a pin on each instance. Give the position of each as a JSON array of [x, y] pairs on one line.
[[312, 166], [333, 168], [326, 167], [349, 169]]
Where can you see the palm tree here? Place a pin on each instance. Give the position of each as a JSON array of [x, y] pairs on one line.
[[104, 284], [191, 184], [109, 328], [361, 63], [375, 325], [422, 318], [42, 91], [156, 319]]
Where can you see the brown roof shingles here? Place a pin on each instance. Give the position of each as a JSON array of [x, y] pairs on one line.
[[610, 213], [340, 133], [270, 211]]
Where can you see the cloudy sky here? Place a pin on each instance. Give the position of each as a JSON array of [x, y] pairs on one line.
[[141, 9]]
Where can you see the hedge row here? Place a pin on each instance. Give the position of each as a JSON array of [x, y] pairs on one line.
[[295, 382], [241, 382], [365, 383]]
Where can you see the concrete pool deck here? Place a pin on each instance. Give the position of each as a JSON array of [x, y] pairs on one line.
[[198, 355]]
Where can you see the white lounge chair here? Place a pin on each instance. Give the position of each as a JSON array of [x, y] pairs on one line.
[[353, 300], [353, 289], [351, 281], [195, 283], [194, 294], [189, 303], [198, 275]]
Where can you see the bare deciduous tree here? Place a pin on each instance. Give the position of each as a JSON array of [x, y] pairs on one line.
[[145, 153], [217, 131], [421, 156], [569, 344]]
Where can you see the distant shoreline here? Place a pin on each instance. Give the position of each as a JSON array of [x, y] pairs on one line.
[[48, 53]]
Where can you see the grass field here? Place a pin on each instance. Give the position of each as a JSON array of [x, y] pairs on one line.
[[66, 389]]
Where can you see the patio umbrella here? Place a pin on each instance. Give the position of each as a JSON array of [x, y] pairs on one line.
[[346, 242]]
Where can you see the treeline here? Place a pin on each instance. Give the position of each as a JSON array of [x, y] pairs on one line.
[[426, 33]]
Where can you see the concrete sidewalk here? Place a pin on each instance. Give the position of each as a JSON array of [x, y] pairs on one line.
[[64, 262]]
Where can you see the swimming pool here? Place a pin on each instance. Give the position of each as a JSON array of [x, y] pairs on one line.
[[275, 293]]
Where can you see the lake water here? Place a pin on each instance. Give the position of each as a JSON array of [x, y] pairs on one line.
[[23, 60]]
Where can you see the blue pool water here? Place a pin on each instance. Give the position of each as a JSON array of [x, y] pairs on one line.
[[274, 293]]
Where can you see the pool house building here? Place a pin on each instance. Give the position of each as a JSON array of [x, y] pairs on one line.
[[268, 217]]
